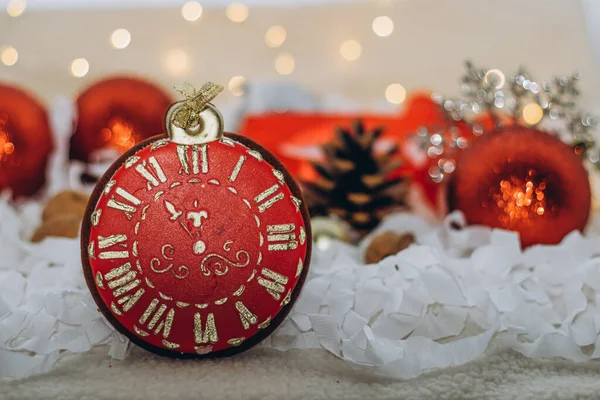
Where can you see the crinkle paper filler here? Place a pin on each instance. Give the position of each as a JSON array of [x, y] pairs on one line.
[[441, 302]]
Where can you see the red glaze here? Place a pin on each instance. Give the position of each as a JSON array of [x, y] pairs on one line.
[[199, 247]]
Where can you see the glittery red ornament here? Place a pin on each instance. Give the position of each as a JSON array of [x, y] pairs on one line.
[[25, 142], [195, 245], [117, 113], [523, 180]]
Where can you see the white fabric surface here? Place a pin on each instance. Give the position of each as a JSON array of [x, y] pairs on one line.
[[301, 374], [456, 297]]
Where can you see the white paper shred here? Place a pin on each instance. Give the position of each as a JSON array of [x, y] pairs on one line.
[[441, 302], [46, 309]]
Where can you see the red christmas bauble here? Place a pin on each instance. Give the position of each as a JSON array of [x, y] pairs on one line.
[[196, 248], [523, 180], [25, 142], [117, 113]]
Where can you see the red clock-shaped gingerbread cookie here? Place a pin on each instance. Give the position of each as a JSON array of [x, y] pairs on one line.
[[196, 244]]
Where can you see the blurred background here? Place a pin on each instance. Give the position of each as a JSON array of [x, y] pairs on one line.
[[333, 48], [81, 81]]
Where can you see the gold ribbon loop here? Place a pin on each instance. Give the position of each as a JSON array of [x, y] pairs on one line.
[[188, 114]]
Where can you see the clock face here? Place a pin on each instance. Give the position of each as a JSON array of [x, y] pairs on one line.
[[196, 249]]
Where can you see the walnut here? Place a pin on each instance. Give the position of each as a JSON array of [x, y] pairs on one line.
[[386, 244], [65, 202], [66, 225]]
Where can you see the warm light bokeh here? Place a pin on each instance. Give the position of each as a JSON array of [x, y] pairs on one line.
[[120, 38], [275, 36], [285, 64], [6, 146], [177, 63], [119, 134], [395, 93], [383, 26], [9, 56], [237, 12], [15, 8], [495, 78], [351, 50], [191, 11], [532, 113], [80, 67], [237, 85], [520, 200]]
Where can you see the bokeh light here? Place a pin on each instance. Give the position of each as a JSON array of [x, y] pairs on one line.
[[191, 11], [237, 12], [15, 8], [395, 93], [351, 50], [275, 36], [9, 56], [285, 64], [120, 38], [119, 134], [495, 78], [383, 26], [6, 146], [237, 85], [177, 62], [80, 67], [532, 113]]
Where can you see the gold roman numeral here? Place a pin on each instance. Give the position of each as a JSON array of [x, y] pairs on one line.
[[237, 168], [209, 334], [128, 203], [273, 282], [123, 281], [204, 159], [158, 317], [111, 242], [246, 316], [155, 177], [267, 198], [281, 237], [199, 159], [184, 160]]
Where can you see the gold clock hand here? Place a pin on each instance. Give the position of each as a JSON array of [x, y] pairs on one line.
[[186, 228], [175, 214], [173, 211]]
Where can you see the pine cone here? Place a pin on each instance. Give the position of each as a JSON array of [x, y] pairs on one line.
[[353, 181]]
